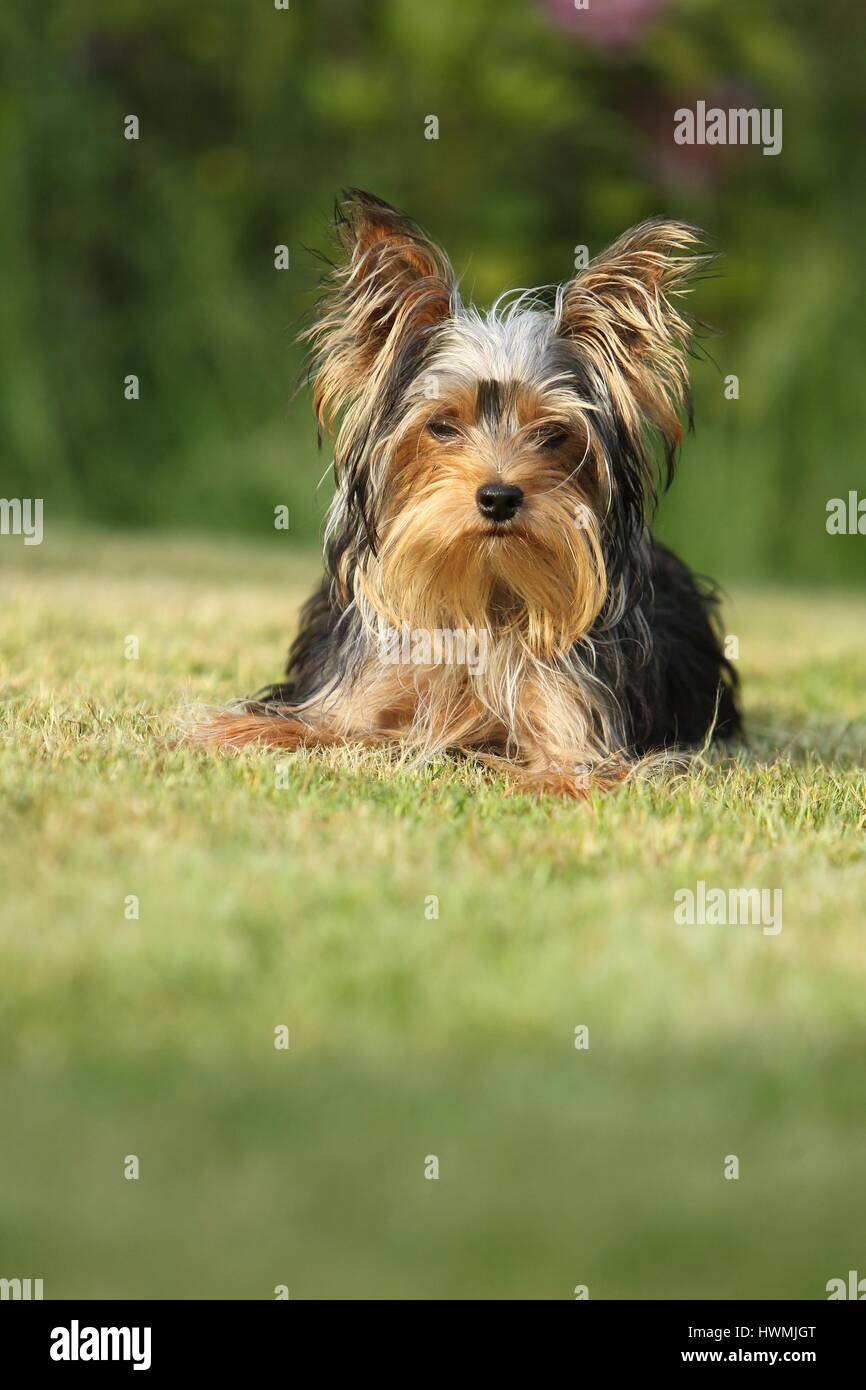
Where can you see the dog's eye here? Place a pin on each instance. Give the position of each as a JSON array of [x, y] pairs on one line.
[[443, 430], [551, 436]]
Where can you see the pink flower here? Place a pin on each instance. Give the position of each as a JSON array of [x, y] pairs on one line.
[[606, 23]]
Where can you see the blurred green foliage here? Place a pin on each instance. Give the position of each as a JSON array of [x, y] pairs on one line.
[[156, 256]]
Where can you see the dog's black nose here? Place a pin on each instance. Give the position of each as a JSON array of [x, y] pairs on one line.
[[498, 501]]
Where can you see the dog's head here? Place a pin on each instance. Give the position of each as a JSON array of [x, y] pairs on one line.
[[493, 470]]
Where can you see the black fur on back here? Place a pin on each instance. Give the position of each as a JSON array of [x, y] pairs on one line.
[[691, 681]]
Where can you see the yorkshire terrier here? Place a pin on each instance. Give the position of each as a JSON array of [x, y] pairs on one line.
[[494, 474]]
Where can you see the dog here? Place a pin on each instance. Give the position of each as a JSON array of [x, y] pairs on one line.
[[494, 475]]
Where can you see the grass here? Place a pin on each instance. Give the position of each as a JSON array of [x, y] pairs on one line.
[[411, 1035]]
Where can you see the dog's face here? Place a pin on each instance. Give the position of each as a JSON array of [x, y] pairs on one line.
[[492, 493], [492, 469]]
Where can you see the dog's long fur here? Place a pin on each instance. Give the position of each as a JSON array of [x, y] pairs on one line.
[[603, 646]]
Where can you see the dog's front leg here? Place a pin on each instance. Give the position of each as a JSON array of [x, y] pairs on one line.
[[276, 727], [370, 711], [575, 780], [567, 745]]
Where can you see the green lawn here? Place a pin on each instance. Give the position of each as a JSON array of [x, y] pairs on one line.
[[410, 1035]]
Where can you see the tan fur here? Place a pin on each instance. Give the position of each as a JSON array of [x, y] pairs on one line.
[[393, 281], [439, 565], [620, 308], [536, 585]]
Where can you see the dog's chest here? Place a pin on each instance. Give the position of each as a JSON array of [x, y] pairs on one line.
[[510, 697]]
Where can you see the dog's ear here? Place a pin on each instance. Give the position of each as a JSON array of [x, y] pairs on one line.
[[621, 313], [389, 289]]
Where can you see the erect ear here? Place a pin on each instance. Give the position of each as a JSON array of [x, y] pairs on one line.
[[620, 311], [389, 289]]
